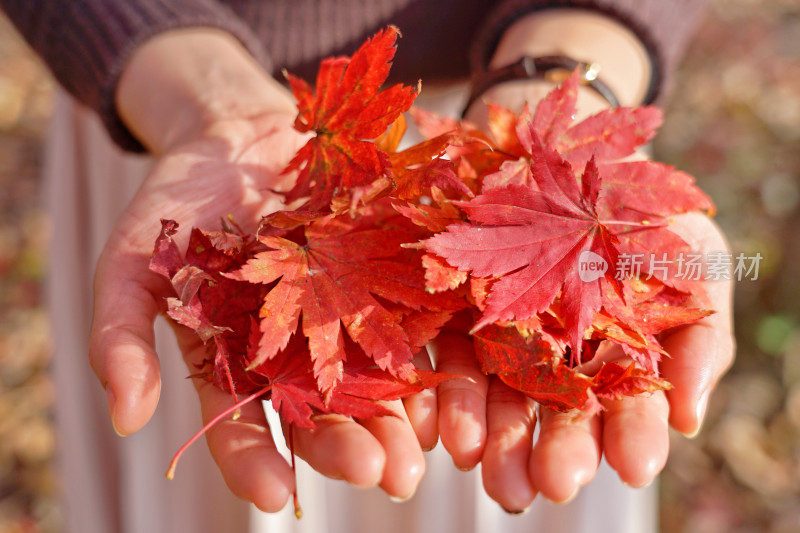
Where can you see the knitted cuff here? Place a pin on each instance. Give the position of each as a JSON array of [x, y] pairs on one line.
[[108, 32]]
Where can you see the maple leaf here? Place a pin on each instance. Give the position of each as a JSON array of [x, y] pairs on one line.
[[322, 310], [512, 172], [634, 190], [363, 385], [294, 393], [472, 152], [290, 376], [435, 217], [218, 309], [604, 137], [347, 110], [613, 381], [419, 168], [535, 225], [633, 321], [530, 365], [439, 276], [335, 279], [645, 193], [534, 238]]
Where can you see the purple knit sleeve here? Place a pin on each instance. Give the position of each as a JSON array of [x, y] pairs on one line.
[[663, 26], [87, 43]]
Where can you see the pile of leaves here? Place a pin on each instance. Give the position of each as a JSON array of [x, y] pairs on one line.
[[520, 227]]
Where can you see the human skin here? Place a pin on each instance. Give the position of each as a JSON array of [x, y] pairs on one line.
[[494, 423], [208, 112]]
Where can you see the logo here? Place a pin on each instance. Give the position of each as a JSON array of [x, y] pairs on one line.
[[591, 266]]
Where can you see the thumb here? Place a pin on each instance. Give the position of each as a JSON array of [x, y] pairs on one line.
[[122, 341]]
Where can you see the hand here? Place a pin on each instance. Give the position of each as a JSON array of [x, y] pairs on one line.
[[485, 420], [222, 152]]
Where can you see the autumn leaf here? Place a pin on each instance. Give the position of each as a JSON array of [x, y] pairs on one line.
[[439, 276], [217, 308], [530, 365], [606, 136], [434, 217], [474, 153], [336, 279], [417, 169], [638, 189], [533, 240], [614, 381], [363, 386], [290, 376], [512, 172], [296, 397], [633, 320], [347, 109], [535, 225]]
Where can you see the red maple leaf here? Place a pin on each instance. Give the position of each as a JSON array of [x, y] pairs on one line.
[[647, 309], [606, 136], [417, 169], [338, 276], [218, 309], [287, 380], [473, 153], [531, 366], [347, 110], [614, 381], [536, 226], [294, 393], [533, 239]]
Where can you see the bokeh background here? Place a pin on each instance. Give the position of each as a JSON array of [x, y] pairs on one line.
[[733, 121]]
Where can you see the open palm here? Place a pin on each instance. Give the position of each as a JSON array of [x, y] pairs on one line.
[[231, 169]]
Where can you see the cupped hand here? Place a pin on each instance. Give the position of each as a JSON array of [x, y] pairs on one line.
[[232, 168], [484, 420]]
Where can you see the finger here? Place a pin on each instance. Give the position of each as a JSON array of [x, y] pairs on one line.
[[405, 463], [702, 352], [422, 410], [121, 342], [340, 448], [510, 419], [245, 452], [636, 437], [462, 402], [566, 454]]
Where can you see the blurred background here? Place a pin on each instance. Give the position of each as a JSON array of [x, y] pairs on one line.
[[733, 122]]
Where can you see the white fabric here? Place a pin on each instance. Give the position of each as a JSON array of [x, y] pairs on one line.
[[117, 485]]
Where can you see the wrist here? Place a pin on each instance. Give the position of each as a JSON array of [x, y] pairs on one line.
[[179, 83], [585, 36]]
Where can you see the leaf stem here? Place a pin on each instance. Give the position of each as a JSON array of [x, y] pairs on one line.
[[174, 463], [298, 511]]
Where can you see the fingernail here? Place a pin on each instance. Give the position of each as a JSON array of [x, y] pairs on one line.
[[431, 447], [398, 499], [517, 513], [700, 413], [642, 486], [465, 468], [112, 409], [566, 500]]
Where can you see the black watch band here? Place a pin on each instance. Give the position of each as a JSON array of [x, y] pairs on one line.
[[550, 68]]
